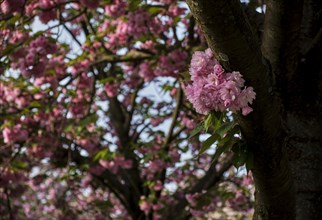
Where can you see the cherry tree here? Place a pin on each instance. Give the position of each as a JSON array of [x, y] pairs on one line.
[[114, 109]]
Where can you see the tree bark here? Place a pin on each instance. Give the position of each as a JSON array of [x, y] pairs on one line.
[[304, 148]]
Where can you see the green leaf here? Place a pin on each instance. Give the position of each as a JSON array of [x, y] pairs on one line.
[[8, 50], [153, 10], [35, 104], [218, 119], [69, 127], [19, 165], [6, 124], [134, 4], [207, 122], [185, 75], [89, 119], [210, 120], [224, 128], [103, 205], [176, 20], [224, 147], [38, 33], [106, 80], [240, 154], [196, 130], [35, 90], [102, 154], [206, 145], [166, 88]]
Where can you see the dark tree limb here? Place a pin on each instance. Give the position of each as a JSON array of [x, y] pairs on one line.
[[230, 37], [311, 22], [134, 95], [113, 182], [281, 40], [256, 20], [315, 43], [11, 215], [119, 117], [168, 138]]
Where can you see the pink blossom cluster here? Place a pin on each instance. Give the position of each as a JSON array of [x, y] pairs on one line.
[[17, 37], [12, 180], [172, 63], [116, 9], [146, 206], [45, 204], [138, 23], [10, 6], [175, 10], [153, 166], [32, 61], [213, 89], [43, 146], [55, 65], [13, 97], [8, 37], [14, 134], [48, 10], [41, 142], [188, 123], [89, 144], [198, 209], [117, 163], [146, 71], [111, 89], [168, 65], [84, 86]]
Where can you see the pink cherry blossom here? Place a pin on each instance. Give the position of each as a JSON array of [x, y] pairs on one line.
[[111, 89], [14, 134], [116, 9], [8, 6], [214, 90], [144, 205], [146, 72]]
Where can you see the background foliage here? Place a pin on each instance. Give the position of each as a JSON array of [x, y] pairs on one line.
[[94, 119]]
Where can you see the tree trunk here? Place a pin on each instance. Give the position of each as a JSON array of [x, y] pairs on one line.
[[304, 148], [285, 129]]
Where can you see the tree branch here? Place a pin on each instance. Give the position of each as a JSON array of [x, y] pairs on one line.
[[107, 178], [139, 56], [118, 117], [174, 118], [281, 38], [315, 43], [11, 217], [168, 138], [133, 105], [311, 22], [112, 184], [209, 180]]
